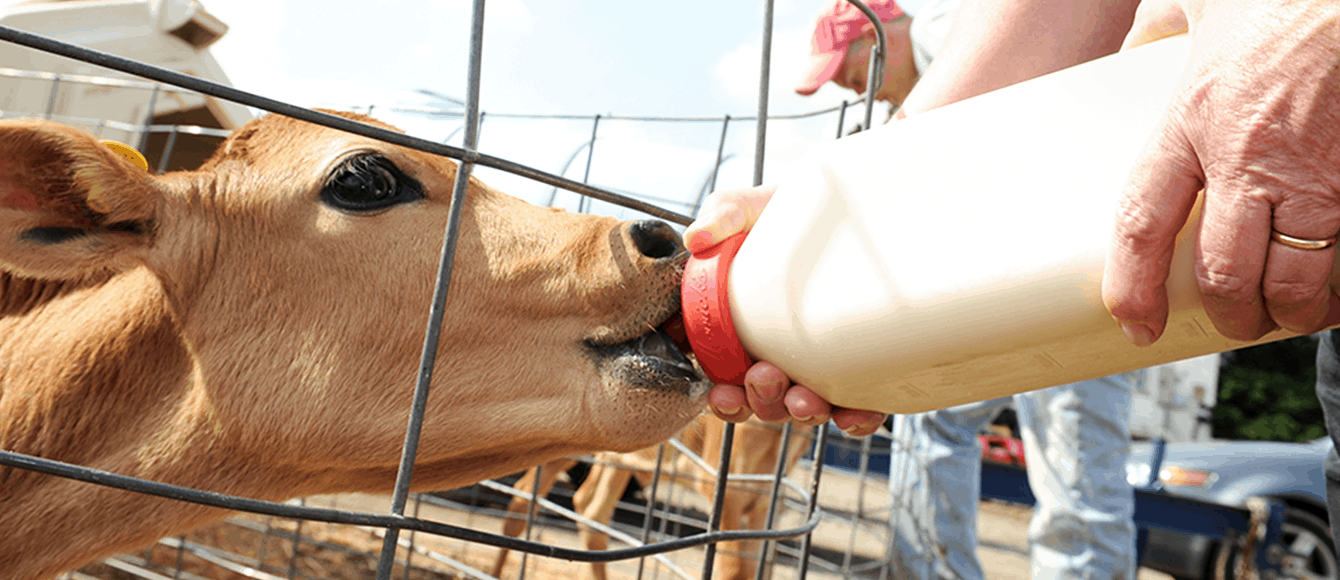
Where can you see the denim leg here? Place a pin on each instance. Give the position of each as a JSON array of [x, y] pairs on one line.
[[1328, 392], [934, 485], [1076, 440]]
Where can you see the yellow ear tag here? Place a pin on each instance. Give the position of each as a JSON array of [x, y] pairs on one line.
[[129, 153]]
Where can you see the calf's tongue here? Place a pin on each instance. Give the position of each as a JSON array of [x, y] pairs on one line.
[[675, 328]]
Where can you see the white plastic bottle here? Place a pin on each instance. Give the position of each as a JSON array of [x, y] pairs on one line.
[[956, 255]]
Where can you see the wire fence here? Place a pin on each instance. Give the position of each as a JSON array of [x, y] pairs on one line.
[[672, 526], [278, 540], [851, 541]]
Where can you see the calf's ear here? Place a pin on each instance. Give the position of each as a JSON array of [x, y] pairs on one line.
[[69, 205]]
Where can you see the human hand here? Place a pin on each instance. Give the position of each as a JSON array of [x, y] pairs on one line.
[[1159, 19], [1256, 124], [767, 391], [726, 213]]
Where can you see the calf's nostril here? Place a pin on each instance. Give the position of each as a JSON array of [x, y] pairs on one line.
[[655, 239]]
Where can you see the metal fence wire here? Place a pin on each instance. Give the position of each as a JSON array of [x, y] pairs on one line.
[[277, 536]]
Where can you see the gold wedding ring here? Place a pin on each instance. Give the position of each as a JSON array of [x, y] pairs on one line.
[[1301, 243]]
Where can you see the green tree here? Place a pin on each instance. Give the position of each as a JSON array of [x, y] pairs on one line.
[[1268, 392]]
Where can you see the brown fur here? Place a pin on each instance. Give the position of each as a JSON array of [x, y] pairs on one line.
[[754, 450], [224, 329]]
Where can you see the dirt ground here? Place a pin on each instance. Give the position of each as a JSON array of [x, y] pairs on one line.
[[337, 552], [328, 551]]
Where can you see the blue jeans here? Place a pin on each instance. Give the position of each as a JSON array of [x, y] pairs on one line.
[[1328, 392], [1076, 442]]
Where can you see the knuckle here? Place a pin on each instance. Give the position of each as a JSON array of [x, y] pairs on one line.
[[1295, 291], [1136, 229], [1225, 285], [1131, 307], [1306, 323]]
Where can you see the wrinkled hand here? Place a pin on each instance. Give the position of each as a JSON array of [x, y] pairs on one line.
[[767, 391], [1256, 124]]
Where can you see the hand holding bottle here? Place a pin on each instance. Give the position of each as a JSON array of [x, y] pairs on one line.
[[767, 391], [1255, 125]]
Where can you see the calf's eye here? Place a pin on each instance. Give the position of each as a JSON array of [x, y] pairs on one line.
[[367, 183]]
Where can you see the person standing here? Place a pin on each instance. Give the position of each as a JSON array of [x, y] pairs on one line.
[[1076, 437], [1253, 126]]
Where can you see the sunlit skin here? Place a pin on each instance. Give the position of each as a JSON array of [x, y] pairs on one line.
[[1256, 129], [1254, 126], [767, 391]]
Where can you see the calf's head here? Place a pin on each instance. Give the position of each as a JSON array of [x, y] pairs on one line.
[[294, 271]]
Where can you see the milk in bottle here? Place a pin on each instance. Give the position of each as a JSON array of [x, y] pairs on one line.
[[956, 255]]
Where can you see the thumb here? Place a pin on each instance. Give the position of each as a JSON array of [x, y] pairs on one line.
[[1156, 20], [726, 213]]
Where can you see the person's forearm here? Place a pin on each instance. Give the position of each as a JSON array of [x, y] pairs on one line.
[[996, 43]]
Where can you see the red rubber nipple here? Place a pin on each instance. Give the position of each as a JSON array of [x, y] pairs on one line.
[[707, 317]]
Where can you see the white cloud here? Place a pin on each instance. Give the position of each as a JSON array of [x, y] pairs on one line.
[[512, 12], [736, 73], [624, 160], [509, 13], [347, 63], [250, 52], [423, 50]]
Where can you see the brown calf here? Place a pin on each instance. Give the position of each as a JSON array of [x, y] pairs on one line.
[[753, 451], [254, 328]]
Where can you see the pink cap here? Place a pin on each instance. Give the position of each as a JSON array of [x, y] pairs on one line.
[[837, 27], [707, 318]]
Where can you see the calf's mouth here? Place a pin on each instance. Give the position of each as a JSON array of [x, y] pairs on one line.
[[648, 349], [655, 360]]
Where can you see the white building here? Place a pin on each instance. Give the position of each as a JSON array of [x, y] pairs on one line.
[[1176, 399], [174, 34]]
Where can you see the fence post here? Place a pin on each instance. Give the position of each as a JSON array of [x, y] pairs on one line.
[[428, 358]]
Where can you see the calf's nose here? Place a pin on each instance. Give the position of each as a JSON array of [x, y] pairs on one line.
[[655, 239]]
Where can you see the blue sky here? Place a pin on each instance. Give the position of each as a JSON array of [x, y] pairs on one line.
[[677, 58], [686, 57]]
